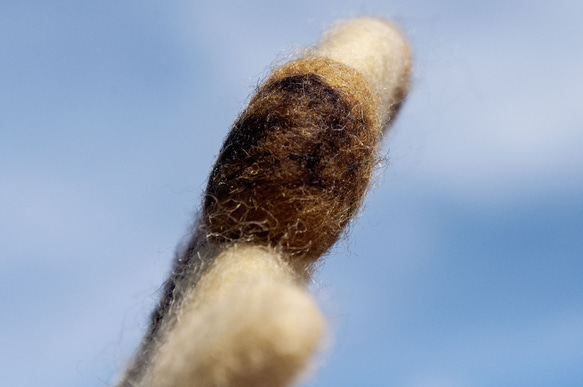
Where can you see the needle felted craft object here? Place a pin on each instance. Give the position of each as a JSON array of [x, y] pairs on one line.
[[290, 176]]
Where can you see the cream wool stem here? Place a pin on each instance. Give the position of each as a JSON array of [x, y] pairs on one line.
[[248, 324], [290, 176]]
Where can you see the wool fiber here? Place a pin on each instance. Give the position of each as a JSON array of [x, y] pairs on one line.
[[248, 324], [292, 173]]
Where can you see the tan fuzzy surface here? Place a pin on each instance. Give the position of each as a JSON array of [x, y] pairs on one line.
[[378, 50], [248, 324], [296, 165], [290, 176]]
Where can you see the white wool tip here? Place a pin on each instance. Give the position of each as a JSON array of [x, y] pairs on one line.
[[378, 50], [248, 324]]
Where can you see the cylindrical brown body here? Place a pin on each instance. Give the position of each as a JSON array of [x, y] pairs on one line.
[[296, 164], [291, 174]]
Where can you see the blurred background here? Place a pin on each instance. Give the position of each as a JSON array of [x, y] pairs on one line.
[[465, 267]]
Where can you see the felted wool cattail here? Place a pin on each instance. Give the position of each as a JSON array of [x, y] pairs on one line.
[[291, 174], [295, 167]]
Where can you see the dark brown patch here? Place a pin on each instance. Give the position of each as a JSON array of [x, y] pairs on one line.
[[293, 170]]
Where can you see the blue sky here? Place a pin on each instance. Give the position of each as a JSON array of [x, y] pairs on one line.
[[465, 267]]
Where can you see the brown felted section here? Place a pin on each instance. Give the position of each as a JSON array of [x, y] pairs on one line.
[[295, 166], [291, 174]]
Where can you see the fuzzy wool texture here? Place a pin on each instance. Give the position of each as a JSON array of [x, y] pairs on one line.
[[290, 176], [247, 324], [295, 167], [376, 49]]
